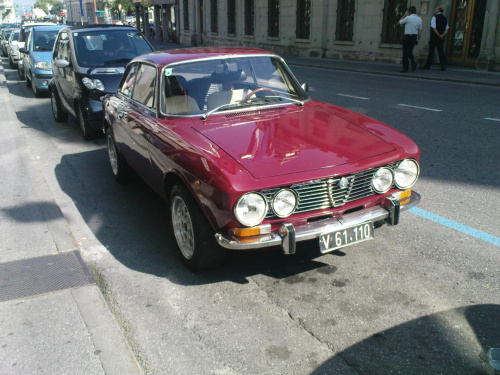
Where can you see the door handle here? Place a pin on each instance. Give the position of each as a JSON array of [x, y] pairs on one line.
[[120, 115]]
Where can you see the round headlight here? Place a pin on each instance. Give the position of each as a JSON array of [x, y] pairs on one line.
[[406, 174], [382, 180], [251, 209], [284, 203]]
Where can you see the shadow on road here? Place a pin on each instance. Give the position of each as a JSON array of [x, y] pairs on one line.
[[450, 342]]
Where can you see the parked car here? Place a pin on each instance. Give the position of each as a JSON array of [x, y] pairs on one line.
[[88, 62], [4, 40], [36, 65], [13, 49], [247, 160]]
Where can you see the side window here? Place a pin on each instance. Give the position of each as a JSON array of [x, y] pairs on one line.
[[127, 84], [62, 49], [145, 84], [28, 42]]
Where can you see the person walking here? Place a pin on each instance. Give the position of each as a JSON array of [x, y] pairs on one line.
[[439, 29], [413, 30]]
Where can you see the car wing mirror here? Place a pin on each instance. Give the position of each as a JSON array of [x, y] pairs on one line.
[[305, 87], [61, 63]]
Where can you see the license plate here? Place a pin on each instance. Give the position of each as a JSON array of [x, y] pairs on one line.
[[345, 237]]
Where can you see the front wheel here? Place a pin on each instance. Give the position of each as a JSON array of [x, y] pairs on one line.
[[193, 235], [88, 132], [22, 76], [57, 110], [36, 92]]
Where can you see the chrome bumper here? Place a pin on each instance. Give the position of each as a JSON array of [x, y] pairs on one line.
[[288, 235]]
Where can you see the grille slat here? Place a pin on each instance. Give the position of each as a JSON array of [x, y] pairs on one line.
[[326, 193]]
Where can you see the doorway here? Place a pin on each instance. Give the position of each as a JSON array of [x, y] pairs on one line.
[[466, 31]]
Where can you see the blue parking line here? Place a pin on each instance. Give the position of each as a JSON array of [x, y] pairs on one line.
[[483, 236]]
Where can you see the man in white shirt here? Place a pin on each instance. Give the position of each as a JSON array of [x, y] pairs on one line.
[[439, 29], [413, 30]]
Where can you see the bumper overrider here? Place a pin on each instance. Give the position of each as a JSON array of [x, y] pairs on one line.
[[288, 235]]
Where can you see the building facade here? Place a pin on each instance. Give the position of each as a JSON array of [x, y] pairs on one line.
[[342, 29], [7, 11]]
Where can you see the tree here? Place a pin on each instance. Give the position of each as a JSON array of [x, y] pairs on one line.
[[48, 5], [118, 6]]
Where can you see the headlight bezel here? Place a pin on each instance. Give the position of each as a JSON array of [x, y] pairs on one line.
[[255, 221], [43, 65], [417, 174], [274, 200]]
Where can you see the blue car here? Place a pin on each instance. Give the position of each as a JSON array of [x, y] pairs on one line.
[[37, 58]]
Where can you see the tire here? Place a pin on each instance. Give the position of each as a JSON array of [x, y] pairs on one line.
[[88, 132], [119, 166], [28, 81], [57, 110], [35, 90], [193, 235], [13, 65], [22, 76]]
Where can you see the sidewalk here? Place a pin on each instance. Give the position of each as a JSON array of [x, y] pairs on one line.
[[451, 74], [53, 318]]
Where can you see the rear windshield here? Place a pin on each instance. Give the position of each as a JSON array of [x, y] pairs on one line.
[[108, 47]]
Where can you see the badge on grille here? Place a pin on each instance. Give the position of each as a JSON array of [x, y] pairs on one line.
[[343, 183]]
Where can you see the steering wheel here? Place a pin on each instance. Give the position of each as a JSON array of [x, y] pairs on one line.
[[258, 90]]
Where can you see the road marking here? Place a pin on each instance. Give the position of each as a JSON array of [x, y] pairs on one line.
[[424, 108], [352, 96], [483, 236], [492, 119]]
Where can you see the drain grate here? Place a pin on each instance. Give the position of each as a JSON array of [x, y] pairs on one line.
[[30, 277]]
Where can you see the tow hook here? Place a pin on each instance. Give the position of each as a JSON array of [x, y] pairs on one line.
[[287, 234]]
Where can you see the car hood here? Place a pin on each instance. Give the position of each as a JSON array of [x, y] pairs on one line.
[[295, 139], [42, 56]]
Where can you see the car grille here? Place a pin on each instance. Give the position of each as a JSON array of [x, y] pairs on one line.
[[327, 193]]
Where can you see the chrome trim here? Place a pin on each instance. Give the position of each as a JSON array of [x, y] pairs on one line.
[[315, 229]]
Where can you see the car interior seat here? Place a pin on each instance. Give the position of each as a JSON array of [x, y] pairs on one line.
[[226, 76], [177, 100]]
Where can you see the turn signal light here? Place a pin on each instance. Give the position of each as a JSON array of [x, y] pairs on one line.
[[253, 231]]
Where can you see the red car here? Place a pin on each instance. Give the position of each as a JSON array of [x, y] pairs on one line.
[[247, 160]]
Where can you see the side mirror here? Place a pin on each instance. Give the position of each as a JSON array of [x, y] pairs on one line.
[[305, 87], [23, 50], [61, 63]]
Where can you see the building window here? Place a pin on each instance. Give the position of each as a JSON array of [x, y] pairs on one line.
[[231, 17], [345, 20], [392, 31], [273, 18], [185, 9], [214, 27], [249, 17], [303, 19]]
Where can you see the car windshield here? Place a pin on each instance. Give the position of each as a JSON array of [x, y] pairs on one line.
[[44, 40], [206, 87], [108, 47]]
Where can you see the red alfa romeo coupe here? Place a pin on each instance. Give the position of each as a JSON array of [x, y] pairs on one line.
[[247, 160]]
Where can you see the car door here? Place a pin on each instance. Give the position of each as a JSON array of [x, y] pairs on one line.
[[139, 119], [64, 76]]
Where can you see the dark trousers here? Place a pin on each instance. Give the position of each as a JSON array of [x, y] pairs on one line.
[[408, 44], [433, 44]]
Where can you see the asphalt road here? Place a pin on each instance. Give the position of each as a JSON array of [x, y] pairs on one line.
[[421, 298]]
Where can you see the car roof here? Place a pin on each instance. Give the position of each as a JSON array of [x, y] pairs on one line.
[[51, 27], [178, 55], [100, 27]]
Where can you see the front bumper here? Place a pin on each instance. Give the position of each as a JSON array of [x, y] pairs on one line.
[[288, 235]]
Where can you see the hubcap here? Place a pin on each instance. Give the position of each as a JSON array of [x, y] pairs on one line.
[[183, 227], [113, 157]]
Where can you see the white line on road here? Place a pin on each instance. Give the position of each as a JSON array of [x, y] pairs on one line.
[[355, 97], [492, 119], [425, 108]]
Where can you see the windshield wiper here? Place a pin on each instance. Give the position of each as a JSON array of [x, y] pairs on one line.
[[223, 106], [294, 101]]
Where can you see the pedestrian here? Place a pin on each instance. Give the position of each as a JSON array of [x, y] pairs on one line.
[[439, 29], [413, 30]]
